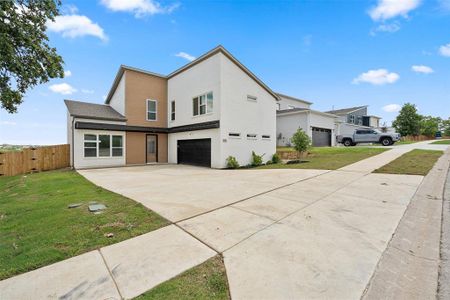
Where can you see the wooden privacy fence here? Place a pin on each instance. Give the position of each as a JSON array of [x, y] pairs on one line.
[[419, 138], [34, 160]]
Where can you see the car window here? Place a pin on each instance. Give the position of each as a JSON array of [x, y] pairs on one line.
[[359, 131]]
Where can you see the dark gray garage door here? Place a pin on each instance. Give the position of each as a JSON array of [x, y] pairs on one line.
[[321, 137], [195, 152]]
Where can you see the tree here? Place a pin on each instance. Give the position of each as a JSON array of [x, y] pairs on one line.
[[301, 141], [446, 127], [430, 125], [26, 59], [408, 120]]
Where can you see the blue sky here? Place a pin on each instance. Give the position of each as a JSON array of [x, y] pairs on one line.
[[333, 53]]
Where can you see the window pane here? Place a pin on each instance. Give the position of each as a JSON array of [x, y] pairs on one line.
[[117, 141], [173, 106], [151, 106], [90, 137], [90, 144], [104, 146], [195, 106], [202, 109], [173, 116], [202, 99], [90, 152], [117, 152], [151, 116], [209, 97]]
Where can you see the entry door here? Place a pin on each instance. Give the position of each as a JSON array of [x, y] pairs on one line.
[[152, 148]]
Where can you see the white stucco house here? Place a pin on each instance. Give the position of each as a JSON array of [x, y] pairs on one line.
[[294, 113], [200, 114], [352, 118]]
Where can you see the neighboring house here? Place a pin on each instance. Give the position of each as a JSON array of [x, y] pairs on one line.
[[353, 118], [211, 108], [295, 113]]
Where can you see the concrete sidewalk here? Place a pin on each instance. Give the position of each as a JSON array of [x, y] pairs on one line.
[[320, 234], [123, 270]]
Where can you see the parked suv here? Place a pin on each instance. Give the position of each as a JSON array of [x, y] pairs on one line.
[[368, 136]]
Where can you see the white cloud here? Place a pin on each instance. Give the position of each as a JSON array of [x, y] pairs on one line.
[[67, 73], [387, 9], [139, 8], [391, 108], [8, 123], [85, 91], [69, 9], [391, 28], [422, 69], [445, 50], [62, 88], [73, 26], [445, 4], [377, 77], [185, 56]]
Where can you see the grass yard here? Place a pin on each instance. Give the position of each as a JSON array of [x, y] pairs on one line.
[[415, 162], [442, 142], [328, 158], [206, 281], [37, 227]]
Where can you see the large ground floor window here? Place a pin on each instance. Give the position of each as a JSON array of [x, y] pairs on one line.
[[103, 145]]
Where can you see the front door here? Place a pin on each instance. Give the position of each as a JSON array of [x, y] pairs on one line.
[[152, 148]]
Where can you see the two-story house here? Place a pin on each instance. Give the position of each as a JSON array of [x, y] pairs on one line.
[[200, 114], [294, 113], [349, 119]]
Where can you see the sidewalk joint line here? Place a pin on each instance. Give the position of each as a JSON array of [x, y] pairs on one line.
[[110, 274]]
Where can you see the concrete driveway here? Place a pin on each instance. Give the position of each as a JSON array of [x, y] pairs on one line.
[[284, 234]]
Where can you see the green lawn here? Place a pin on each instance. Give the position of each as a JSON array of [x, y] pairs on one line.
[[415, 162], [442, 142], [206, 281], [37, 228], [328, 158]]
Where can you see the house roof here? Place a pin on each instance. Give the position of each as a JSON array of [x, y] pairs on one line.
[[345, 111], [293, 98], [303, 110], [93, 111], [205, 56]]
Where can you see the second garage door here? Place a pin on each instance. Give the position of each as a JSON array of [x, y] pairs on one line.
[[194, 152], [321, 137]]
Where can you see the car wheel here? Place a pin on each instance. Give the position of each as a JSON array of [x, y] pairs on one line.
[[386, 142], [353, 144], [347, 143]]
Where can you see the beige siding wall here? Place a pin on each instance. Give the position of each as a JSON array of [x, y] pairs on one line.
[[138, 88], [136, 148]]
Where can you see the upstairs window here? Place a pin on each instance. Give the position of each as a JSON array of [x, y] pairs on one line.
[[202, 104], [172, 110], [151, 110], [351, 119], [251, 98]]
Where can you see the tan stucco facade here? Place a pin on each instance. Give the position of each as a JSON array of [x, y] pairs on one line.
[[138, 88], [136, 148]]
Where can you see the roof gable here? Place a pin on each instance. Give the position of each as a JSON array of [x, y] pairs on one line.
[[344, 111], [93, 111]]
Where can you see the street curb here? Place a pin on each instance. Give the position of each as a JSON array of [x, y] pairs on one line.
[[409, 267]]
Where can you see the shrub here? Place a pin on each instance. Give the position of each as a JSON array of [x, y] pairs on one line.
[[301, 141], [276, 159], [256, 159], [269, 162], [232, 162]]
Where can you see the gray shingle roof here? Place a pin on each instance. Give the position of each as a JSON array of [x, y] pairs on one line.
[[93, 111], [292, 110], [345, 111]]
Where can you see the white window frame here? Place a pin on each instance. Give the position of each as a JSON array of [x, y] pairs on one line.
[[352, 119], [172, 110], [115, 147], [148, 111], [252, 136], [97, 145], [234, 135], [252, 98], [205, 104]]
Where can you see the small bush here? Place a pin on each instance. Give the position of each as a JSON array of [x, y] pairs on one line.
[[269, 162], [232, 162], [256, 159], [276, 159], [301, 141]]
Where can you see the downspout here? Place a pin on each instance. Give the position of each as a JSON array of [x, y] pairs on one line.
[[72, 147]]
